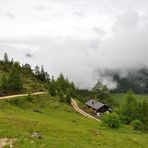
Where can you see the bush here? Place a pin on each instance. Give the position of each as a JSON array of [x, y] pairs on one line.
[[112, 120], [29, 97], [2, 92], [137, 124], [126, 119]]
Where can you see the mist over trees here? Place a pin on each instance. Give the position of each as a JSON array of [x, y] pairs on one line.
[[125, 80]]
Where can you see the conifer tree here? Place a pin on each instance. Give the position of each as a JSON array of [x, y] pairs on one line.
[[37, 71], [6, 59], [100, 91], [4, 83], [52, 87], [130, 108], [14, 80]]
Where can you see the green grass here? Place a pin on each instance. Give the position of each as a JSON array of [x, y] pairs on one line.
[[60, 126], [120, 98]]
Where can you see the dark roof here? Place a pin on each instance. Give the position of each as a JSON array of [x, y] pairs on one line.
[[94, 104]]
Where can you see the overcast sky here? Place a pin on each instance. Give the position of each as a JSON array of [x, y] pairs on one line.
[[75, 37]]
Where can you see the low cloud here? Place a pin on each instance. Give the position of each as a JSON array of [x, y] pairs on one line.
[[79, 14], [10, 15], [28, 55], [77, 41]]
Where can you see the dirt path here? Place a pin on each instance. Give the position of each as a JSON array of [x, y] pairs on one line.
[[75, 106], [21, 95]]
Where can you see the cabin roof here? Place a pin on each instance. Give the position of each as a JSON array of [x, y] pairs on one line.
[[94, 104]]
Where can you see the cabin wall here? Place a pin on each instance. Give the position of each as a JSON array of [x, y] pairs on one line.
[[103, 109]]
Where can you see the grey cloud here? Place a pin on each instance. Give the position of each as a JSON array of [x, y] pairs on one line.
[[28, 55], [76, 57], [93, 44], [79, 14], [129, 21], [39, 7], [126, 49], [68, 56], [10, 15], [80, 50], [99, 31]]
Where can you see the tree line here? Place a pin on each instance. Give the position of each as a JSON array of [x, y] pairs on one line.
[[134, 112], [63, 88], [12, 81], [13, 75]]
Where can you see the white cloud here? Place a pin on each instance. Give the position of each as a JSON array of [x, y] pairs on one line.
[[75, 37]]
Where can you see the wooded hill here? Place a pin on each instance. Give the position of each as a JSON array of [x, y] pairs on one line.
[[16, 78]]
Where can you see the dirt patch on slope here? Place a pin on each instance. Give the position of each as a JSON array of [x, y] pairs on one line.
[[7, 142]]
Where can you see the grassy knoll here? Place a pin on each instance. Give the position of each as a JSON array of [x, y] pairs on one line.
[[60, 126]]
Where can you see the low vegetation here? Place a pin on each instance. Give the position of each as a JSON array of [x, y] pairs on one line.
[[112, 120], [137, 124], [44, 121]]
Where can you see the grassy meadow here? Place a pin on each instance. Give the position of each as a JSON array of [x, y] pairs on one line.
[[60, 126]]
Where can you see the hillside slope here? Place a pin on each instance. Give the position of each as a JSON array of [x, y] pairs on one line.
[[59, 126]]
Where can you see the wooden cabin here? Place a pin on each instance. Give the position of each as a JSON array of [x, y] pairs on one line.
[[97, 107]]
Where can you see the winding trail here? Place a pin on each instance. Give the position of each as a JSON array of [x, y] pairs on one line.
[[75, 106], [21, 95]]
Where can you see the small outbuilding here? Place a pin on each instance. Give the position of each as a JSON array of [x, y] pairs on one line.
[[97, 107]]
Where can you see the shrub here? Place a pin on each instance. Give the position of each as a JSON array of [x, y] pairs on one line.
[[29, 97], [137, 124], [126, 119], [2, 92], [112, 120]]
